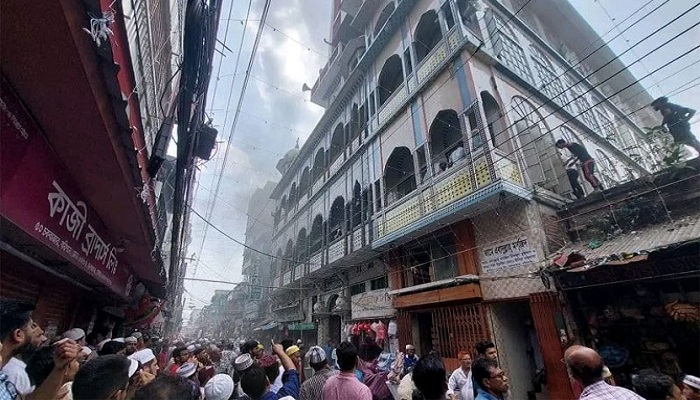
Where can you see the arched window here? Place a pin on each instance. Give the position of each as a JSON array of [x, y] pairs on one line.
[[427, 34], [508, 49], [354, 122], [336, 219], [319, 165], [547, 79], [337, 144], [446, 141], [302, 246], [289, 256], [467, 14], [316, 235], [569, 135], [277, 264], [284, 206], [581, 107], [293, 196], [537, 146], [495, 121], [304, 183], [356, 210], [390, 78], [399, 175], [608, 172], [383, 17]]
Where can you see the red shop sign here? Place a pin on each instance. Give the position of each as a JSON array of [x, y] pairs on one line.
[[39, 196]]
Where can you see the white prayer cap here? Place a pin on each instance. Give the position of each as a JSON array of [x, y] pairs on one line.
[[143, 356], [74, 334]]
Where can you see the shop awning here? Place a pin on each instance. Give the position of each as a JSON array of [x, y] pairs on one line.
[[629, 247], [266, 326], [659, 252]]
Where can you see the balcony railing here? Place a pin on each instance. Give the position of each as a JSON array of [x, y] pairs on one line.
[[389, 108], [425, 71], [336, 250], [460, 187], [357, 238], [316, 261]]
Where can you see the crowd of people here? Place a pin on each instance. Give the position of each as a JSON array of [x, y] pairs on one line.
[[97, 366]]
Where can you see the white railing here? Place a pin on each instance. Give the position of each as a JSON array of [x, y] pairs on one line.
[[507, 169], [432, 61], [317, 186], [357, 239], [403, 214], [336, 250], [337, 164], [315, 262], [299, 271], [392, 104]]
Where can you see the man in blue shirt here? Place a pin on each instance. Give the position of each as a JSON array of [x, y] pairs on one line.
[[410, 359], [257, 386], [492, 381]]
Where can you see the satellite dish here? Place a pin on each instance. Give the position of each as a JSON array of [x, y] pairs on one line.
[[305, 88]]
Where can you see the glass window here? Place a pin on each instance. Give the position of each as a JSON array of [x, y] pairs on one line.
[[510, 52], [407, 61], [357, 289], [447, 12], [379, 283], [547, 79], [444, 258], [432, 261]]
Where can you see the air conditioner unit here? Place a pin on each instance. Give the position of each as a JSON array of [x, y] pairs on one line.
[[206, 138]]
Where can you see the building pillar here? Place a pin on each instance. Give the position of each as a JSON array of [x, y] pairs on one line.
[[322, 331], [545, 310]]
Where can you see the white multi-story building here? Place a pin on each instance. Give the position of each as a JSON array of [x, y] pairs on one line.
[[426, 193]]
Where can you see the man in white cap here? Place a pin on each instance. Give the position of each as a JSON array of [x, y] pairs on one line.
[[77, 335], [312, 388], [131, 343], [410, 359], [243, 362], [691, 387], [139, 340], [188, 370], [147, 359], [219, 387]]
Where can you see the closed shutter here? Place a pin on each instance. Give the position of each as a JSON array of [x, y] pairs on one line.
[[54, 308], [53, 297], [458, 328], [15, 281], [404, 329]]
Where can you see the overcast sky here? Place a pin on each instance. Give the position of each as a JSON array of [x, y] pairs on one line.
[[275, 112]]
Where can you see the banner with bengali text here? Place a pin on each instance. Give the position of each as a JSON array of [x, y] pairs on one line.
[[39, 196]]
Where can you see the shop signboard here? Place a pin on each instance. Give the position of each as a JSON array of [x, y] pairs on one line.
[[301, 326], [372, 304], [509, 254], [39, 196]]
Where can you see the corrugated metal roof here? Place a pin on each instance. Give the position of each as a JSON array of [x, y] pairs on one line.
[[649, 239]]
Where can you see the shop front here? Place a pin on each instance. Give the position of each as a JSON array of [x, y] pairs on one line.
[[371, 316], [74, 237], [638, 309]]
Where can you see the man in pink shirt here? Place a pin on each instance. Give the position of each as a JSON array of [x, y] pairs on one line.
[[346, 386]]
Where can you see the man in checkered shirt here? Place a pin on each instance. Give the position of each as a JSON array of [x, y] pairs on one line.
[[586, 366]]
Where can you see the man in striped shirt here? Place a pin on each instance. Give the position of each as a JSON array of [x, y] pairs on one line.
[[312, 388]]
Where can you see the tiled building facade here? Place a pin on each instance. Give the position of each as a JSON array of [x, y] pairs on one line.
[[434, 166]]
